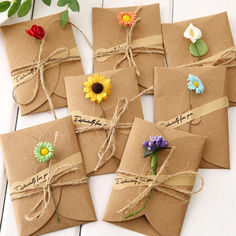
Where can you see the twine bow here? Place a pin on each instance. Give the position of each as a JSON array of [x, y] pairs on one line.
[[130, 51], [38, 68], [225, 58], [108, 147], [45, 190], [158, 185]]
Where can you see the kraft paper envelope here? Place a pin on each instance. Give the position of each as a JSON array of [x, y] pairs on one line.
[[21, 164], [216, 33], [171, 99], [124, 84], [23, 49], [163, 215], [108, 33]]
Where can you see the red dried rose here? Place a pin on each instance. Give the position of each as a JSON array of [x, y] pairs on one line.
[[36, 31]]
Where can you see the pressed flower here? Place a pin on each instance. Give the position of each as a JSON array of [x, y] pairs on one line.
[[195, 84], [43, 151], [97, 88], [192, 33], [126, 18], [36, 31], [151, 148], [198, 47]]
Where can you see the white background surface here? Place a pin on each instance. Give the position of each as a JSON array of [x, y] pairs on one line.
[[212, 212]]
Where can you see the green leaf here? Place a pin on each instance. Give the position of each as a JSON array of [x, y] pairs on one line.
[[64, 18], [47, 2], [25, 8], [4, 6], [14, 8], [147, 153], [199, 48], [74, 5], [62, 3]]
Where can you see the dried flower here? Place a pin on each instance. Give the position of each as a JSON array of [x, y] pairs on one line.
[[36, 31], [126, 18], [195, 84]]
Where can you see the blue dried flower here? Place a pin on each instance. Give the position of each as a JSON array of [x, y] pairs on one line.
[[195, 84]]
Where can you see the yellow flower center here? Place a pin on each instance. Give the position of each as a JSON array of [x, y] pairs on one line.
[[191, 32], [195, 83], [126, 18], [44, 151]]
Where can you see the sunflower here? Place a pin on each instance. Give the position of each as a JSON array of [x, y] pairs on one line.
[[43, 151], [195, 84], [97, 88], [126, 18]]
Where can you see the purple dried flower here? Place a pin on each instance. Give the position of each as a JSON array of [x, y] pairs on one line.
[[164, 143], [145, 143], [155, 142]]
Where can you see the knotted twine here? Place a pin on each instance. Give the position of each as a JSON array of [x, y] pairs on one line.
[[38, 68], [45, 190], [130, 51], [225, 58], [160, 186], [108, 147]]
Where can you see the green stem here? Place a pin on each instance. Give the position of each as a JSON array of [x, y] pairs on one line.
[[154, 167], [190, 106], [199, 58], [145, 204], [54, 201]]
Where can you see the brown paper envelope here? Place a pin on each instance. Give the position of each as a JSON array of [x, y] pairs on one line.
[[216, 33], [163, 214], [17, 148], [107, 32], [25, 50], [171, 98], [124, 84]]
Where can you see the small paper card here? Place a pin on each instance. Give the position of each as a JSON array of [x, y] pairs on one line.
[[88, 114], [25, 51], [67, 178], [111, 38], [164, 213], [206, 113], [217, 35]]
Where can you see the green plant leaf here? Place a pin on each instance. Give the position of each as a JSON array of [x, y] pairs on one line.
[[147, 153], [4, 6], [14, 8], [47, 2], [64, 18], [25, 8], [199, 48], [62, 3], [74, 5]]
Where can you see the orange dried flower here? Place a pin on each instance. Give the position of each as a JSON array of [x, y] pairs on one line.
[[126, 18]]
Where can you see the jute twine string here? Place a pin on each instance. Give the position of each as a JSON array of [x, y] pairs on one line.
[[108, 147], [130, 51], [225, 58], [38, 68], [160, 186], [45, 190]]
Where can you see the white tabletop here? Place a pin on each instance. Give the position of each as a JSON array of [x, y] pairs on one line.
[[212, 212]]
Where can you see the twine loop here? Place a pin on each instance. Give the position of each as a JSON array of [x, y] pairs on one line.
[[40, 207], [38, 68], [108, 147], [161, 186], [130, 51]]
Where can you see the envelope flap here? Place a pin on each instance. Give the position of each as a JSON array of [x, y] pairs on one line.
[[78, 102], [215, 30], [174, 80], [105, 39], [60, 134], [56, 38], [186, 155]]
